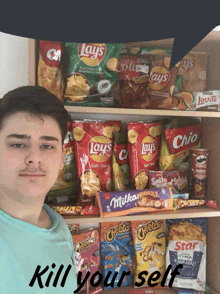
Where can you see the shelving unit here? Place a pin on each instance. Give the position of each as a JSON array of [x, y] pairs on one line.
[[211, 139]]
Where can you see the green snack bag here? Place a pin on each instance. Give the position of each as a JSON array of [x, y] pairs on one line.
[[91, 79]]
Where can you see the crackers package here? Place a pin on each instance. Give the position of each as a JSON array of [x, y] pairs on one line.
[[144, 139], [117, 252], [133, 202], [150, 248], [87, 253], [178, 137], [93, 148], [91, 78], [133, 71], [120, 164], [187, 246], [65, 188], [49, 74]]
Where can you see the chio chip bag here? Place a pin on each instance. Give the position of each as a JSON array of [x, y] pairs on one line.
[[150, 249], [93, 147], [91, 78], [179, 136], [144, 139], [120, 164], [187, 246], [49, 73], [117, 252]]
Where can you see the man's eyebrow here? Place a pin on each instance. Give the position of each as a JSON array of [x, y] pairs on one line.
[[21, 136]]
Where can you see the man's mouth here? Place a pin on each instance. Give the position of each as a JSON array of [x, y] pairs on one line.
[[31, 175]]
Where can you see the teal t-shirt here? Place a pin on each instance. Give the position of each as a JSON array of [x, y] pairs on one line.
[[43, 256]]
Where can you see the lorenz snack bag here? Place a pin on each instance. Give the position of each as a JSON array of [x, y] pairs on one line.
[[120, 164], [91, 77], [49, 73], [162, 82], [117, 252], [178, 137], [144, 139], [66, 183], [93, 148], [133, 71], [150, 249], [187, 246]]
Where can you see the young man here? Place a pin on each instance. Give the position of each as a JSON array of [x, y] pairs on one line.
[[36, 249]]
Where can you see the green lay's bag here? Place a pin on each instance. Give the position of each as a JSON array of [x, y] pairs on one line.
[[91, 79]]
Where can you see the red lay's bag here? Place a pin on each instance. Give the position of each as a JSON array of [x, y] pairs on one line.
[[49, 67], [144, 139], [93, 148]]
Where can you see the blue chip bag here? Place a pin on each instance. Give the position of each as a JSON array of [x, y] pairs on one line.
[[117, 253], [187, 246]]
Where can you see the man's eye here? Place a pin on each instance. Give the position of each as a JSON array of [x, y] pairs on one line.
[[18, 145], [46, 146]]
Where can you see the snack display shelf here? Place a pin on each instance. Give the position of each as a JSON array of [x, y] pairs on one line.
[[146, 112], [184, 213], [123, 290]]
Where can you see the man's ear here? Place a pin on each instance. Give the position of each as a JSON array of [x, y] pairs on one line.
[[62, 158]]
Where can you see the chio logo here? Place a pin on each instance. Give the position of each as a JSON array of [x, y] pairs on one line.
[[180, 141]]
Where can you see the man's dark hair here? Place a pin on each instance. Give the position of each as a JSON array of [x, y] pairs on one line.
[[37, 101]]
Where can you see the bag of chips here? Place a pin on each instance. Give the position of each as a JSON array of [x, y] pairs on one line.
[[120, 164], [150, 248], [91, 77], [93, 147], [117, 252], [178, 137], [49, 73], [187, 246]]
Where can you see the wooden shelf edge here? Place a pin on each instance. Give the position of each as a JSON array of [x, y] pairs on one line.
[[152, 112], [184, 213]]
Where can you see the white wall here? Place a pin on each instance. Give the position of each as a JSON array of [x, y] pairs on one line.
[[13, 62]]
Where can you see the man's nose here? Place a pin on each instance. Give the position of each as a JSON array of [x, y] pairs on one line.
[[34, 157]]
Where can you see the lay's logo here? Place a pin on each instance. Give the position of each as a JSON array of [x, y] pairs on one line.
[[91, 54], [100, 148]]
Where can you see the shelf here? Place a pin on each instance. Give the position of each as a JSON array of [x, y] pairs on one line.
[[123, 290], [146, 112], [182, 213]]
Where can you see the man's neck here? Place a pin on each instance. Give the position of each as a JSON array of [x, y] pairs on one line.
[[24, 208]]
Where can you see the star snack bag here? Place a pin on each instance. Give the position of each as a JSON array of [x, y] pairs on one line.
[[93, 148], [117, 252], [150, 249]]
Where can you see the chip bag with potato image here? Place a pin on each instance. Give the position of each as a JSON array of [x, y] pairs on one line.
[[91, 79], [93, 147], [49, 71], [144, 139]]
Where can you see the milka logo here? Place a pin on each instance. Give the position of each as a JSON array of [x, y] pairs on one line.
[[209, 99], [54, 54], [148, 148], [92, 51], [180, 141], [111, 233], [159, 78], [99, 148], [120, 201], [79, 247], [123, 154], [187, 64]]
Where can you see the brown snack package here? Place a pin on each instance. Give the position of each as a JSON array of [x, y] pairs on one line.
[[185, 203]]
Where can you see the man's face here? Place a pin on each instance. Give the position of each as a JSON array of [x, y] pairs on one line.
[[31, 154]]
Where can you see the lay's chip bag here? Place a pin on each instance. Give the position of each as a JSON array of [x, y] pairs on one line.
[[91, 79]]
